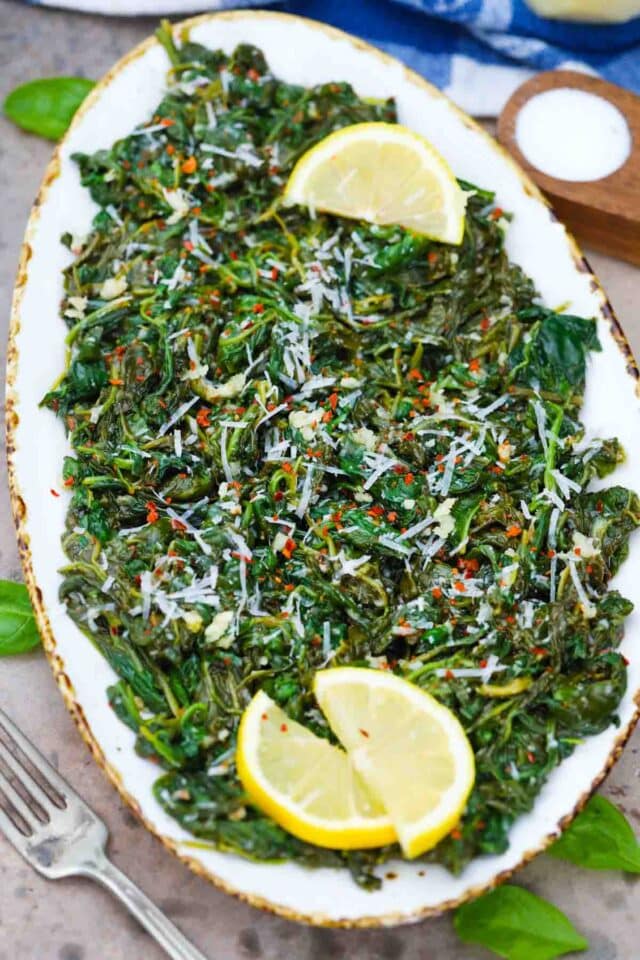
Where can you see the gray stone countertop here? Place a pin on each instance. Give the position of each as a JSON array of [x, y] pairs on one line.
[[75, 920]]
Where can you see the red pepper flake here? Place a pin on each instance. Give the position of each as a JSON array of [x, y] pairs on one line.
[[116, 382], [514, 530], [190, 165], [187, 245], [170, 149], [327, 416], [485, 323], [363, 732], [456, 834], [436, 593], [283, 728], [392, 516], [233, 255], [253, 74], [540, 651], [589, 568], [531, 757], [178, 525], [474, 365], [289, 587], [432, 256], [482, 664], [577, 551], [460, 586], [408, 479], [274, 273], [54, 493], [258, 308], [496, 213], [152, 512], [264, 717], [241, 556], [599, 506], [202, 417], [167, 122], [551, 554], [449, 675], [415, 375], [69, 482], [278, 496], [333, 400], [376, 511], [288, 548]]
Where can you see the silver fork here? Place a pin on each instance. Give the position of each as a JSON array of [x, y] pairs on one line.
[[60, 836]]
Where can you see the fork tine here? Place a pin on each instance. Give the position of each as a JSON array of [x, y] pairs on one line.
[[52, 788], [32, 788], [8, 827], [18, 803]]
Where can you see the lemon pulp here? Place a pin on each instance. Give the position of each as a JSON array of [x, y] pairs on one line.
[[306, 784]]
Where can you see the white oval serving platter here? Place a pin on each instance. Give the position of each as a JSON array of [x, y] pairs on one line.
[[304, 52]]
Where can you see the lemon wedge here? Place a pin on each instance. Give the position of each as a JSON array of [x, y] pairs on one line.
[[383, 173], [304, 783], [410, 750]]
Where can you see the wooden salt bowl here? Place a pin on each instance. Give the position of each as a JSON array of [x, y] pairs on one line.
[[604, 213]]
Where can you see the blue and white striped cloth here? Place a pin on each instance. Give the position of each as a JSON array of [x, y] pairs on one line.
[[477, 51]]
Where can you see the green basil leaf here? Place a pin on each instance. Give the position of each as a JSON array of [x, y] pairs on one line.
[[517, 925], [600, 838], [46, 106], [18, 631]]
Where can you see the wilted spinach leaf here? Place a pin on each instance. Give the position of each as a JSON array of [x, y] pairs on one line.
[[554, 356]]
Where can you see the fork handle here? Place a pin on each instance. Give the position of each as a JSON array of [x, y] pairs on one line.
[[152, 919]]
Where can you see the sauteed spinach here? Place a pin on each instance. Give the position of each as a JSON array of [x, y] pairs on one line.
[[300, 440]]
